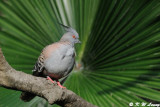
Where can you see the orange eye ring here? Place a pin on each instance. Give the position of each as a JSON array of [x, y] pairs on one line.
[[73, 36]]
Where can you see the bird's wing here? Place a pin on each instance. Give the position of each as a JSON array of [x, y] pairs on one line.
[[39, 66], [46, 53]]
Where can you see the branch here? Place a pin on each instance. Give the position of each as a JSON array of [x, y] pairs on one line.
[[12, 79]]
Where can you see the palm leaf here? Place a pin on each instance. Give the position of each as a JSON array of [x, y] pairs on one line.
[[119, 54]]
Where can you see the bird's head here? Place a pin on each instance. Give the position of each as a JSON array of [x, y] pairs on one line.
[[70, 36]]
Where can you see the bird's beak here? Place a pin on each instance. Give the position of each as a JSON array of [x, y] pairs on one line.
[[78, 41]]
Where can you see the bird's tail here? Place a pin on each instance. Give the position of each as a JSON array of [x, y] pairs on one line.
[[26, 96]]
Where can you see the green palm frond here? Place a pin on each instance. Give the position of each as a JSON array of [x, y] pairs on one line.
[[119, 54]]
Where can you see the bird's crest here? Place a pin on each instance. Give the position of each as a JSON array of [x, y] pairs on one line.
[[69, 29]]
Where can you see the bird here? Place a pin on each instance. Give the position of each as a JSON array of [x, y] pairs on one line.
[[56, 60]]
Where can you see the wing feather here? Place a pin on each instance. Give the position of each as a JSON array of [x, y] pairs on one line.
[[39, 66]]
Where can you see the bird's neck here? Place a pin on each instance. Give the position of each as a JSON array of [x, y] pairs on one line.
[[66, 43]]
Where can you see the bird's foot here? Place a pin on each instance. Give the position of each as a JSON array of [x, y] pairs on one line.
[[59, 84], [48, 78]]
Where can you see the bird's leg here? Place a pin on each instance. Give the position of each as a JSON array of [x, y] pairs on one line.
[[59, 84], [48, 78]]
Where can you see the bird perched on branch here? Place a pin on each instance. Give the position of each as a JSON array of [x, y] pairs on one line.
[[56, 60]]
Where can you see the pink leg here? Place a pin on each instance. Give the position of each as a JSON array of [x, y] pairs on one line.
[[59, 84], [48, 78]]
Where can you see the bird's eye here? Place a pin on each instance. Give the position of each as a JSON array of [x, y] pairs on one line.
[[73, 36]]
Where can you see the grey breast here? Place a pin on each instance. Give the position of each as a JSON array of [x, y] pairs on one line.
[[61, 62]]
